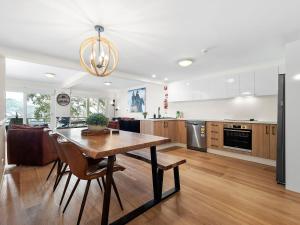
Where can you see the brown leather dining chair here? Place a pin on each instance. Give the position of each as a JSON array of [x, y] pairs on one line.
[[85, 169], [62, 165], [51, 146]]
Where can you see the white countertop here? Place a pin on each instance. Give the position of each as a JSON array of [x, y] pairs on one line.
[[216, 120]]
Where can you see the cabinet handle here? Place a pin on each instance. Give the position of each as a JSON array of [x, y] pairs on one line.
[[167, 125], [216, 139], [214, 132], [273, 130], [215, 146], [267, 129]]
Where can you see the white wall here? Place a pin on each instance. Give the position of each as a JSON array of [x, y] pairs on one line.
[[292, 117], [154, 99], [2, 115], [260, 108]]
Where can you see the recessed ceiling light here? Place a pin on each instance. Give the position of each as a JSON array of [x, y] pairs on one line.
[[185, 62], [230, 80], [153, 75], [246, 93], [166, 79], [107, 83], [50, 75], [187, 84], [296, 77]]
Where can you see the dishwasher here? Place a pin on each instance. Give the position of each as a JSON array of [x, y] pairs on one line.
[[196, 135]]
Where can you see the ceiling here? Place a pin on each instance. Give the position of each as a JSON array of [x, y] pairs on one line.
[[64, 78], [152, 36]]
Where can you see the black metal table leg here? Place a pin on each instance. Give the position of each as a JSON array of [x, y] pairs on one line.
[[160, 177], [157, 180], [154, 173], [107, 192], [176, 178]]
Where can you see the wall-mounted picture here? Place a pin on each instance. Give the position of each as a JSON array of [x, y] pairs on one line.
[[137, 100]]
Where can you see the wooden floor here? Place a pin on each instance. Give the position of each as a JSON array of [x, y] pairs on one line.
[[215, 191]]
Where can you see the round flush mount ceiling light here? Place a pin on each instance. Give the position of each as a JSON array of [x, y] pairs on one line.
[[185, 62], [166, 79], [246, 93], [230, 80], [107, 83], [296, 77], [50, 75], [153, 75], [98, 55]]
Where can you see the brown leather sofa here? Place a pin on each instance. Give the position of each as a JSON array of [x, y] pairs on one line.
[[28, 145]]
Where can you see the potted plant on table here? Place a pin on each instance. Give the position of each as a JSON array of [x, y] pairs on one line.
[[97, 121]]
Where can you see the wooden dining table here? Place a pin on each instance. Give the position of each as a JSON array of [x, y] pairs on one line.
[[109, 145]]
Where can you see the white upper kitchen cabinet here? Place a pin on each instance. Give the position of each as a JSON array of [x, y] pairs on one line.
[[178, 91], [232, 85], [266, 81], [216, 87], [260, 82], [189, 90], [246, 83]]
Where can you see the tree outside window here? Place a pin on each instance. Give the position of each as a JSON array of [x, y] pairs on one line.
[[14, 104], [96, 105], [38, 108], [82, 107], [78, 107]]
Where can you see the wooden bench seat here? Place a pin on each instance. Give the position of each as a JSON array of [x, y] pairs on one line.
[[164, 161]]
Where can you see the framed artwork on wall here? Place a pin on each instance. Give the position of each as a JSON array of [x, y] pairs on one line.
[[137, 100]]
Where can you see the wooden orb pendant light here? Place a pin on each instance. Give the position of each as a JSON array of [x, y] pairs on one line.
[[98, 56]]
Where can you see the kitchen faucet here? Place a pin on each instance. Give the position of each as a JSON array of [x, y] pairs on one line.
[[158, 112]]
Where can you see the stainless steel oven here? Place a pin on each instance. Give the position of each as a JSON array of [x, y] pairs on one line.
[[238, 136]]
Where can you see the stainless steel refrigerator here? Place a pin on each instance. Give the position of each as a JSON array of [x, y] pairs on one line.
[[280, 163]]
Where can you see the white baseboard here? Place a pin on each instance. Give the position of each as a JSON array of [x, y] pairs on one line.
[[268, 162], [168, 145]]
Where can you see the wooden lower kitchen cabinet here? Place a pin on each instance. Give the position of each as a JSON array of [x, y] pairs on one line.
[[181, 132], [166, 128], [146, 127], [163, 128], [214, 133], [273, 142], [264, 141]]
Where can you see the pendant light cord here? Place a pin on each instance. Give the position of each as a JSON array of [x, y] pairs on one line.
[[99, 42]]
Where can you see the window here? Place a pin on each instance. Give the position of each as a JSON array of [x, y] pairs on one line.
[[82, 107], [38, 109], [96, 105], [78, 107], [14, 104]]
